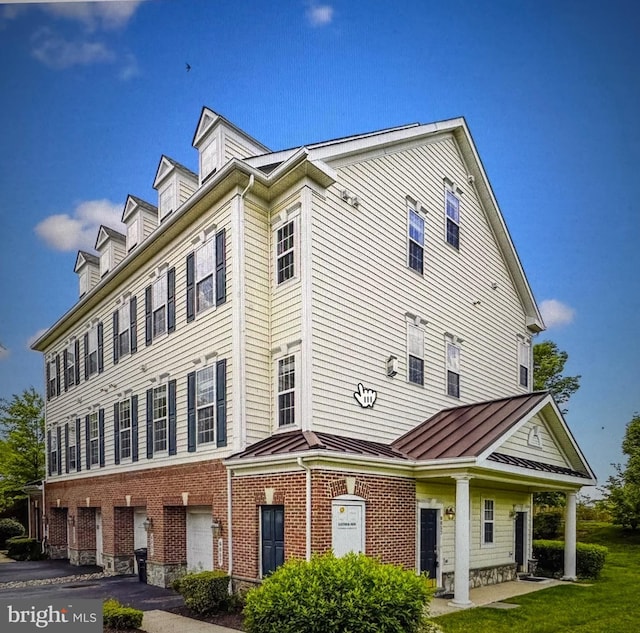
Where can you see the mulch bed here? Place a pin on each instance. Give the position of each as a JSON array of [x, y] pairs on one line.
[[232, 619]]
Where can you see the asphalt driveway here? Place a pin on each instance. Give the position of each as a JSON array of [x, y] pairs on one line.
[[68, 585]]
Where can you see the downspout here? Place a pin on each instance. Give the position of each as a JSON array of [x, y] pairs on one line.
[[308, 508], [229, 527]]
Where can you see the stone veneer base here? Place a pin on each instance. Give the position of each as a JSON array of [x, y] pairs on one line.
[[163, 575], [481, 577]]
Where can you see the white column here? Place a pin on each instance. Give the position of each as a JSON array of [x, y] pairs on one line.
[[570, 537], [462, 543]]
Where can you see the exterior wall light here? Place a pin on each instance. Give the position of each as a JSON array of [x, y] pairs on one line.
[[450, 513], [216, 528], [147, 524]]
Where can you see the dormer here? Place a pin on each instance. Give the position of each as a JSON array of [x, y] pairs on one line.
[[88, 269], [112, 248], [174, 184], [218, 141], [141, 218]]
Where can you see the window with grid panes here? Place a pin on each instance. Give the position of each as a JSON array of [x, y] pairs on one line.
[[286, 390], [160, 419], [285, 241], [416, 241], [124, 418]]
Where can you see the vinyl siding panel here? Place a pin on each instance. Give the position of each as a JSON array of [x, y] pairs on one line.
[[185, 190], [548, 453], [363, 290], [169, 357]]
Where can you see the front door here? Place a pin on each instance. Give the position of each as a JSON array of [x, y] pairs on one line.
[[429, 542], [521, 532], [99, 538], [272, 538]]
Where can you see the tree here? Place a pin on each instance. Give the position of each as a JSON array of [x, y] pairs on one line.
[[622, 490], [548, 365], [22, 448]]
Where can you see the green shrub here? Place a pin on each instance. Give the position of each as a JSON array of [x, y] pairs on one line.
[[117, 616], [8, 529], [546, 525], [590, 558], [330, 595], [205, 591], [24, 548]]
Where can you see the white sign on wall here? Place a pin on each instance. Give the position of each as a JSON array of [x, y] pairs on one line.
[[347, 526]]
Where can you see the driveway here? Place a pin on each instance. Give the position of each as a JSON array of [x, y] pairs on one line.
[[56, 579]]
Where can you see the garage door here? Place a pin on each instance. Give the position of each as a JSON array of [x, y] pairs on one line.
[[199, 540]]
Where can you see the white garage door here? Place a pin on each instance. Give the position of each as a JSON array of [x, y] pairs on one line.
[[199, 540]]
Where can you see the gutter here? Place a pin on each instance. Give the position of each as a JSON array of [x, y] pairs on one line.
[[308, 507]]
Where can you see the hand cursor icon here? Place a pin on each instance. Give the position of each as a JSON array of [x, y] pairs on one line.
[[365, 397]]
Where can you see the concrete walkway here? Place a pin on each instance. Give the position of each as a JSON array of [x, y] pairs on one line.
[[165, 622], [483, 596]]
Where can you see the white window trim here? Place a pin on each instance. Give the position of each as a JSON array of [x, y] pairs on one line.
[[121, 431], [457, 193], [484, 521], [285, 217], [94, 418], [211, 404], [296, 390], [452, 341], [524, 347], [415, 208], [164, 451]]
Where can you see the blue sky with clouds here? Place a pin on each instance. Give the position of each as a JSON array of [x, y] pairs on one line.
[[92, 94]]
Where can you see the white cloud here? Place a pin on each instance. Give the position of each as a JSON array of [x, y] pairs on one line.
[[4, 352], [94, 15], [59, 53], [320, 14], [35, 337], [130, 68], [79, 229], [555, 313]]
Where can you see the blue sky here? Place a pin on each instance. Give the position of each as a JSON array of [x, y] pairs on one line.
[[92, 94]]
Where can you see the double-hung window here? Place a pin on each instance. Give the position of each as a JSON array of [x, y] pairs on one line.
[[488, 521], [205, 268], [286, 390], [124, 428], [70, 361], [72, 453], [415, 354], [51, 378], [205, 404], [53, 452], [453, 369], [416, 241], [159, 306], [452, 208], [160, 419], [524, 362], [94, 439], [92, 351], [285, 252], [124, 324]]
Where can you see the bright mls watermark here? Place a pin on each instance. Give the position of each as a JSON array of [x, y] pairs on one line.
[[81, 616]]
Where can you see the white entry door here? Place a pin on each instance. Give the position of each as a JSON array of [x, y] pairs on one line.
[[199, 540], [347, 526], [99, 538], [139, 533]]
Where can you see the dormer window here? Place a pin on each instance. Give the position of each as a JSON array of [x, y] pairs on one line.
[[84, 281], [105, 262], [167, 201], [208, 159]]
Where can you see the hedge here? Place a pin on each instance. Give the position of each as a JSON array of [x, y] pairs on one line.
[[117, 616], [354, 593], [25, 548], [546, 525], [204, 592], [9, 528], [590, 558]]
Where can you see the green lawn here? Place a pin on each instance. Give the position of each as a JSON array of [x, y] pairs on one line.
[[610, 604]]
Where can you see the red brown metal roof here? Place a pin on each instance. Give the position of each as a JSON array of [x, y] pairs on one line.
[[466, 431], [511, 460]]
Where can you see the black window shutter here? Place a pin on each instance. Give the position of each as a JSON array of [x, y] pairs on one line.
[[87, 442], [149, 423], [100, 349], [65, 364], [59, 438], [173, 430], [133, 324], [191, 412], [134, 428], [116, 432], [77, 362], [57, 374], [221, 402], [66, 447], [86, 356], [78, 450], [221, 268], [191, 287], [148, 330], [49, 451], [171, 299], [101, 431], [48, 370], [116, 339]]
